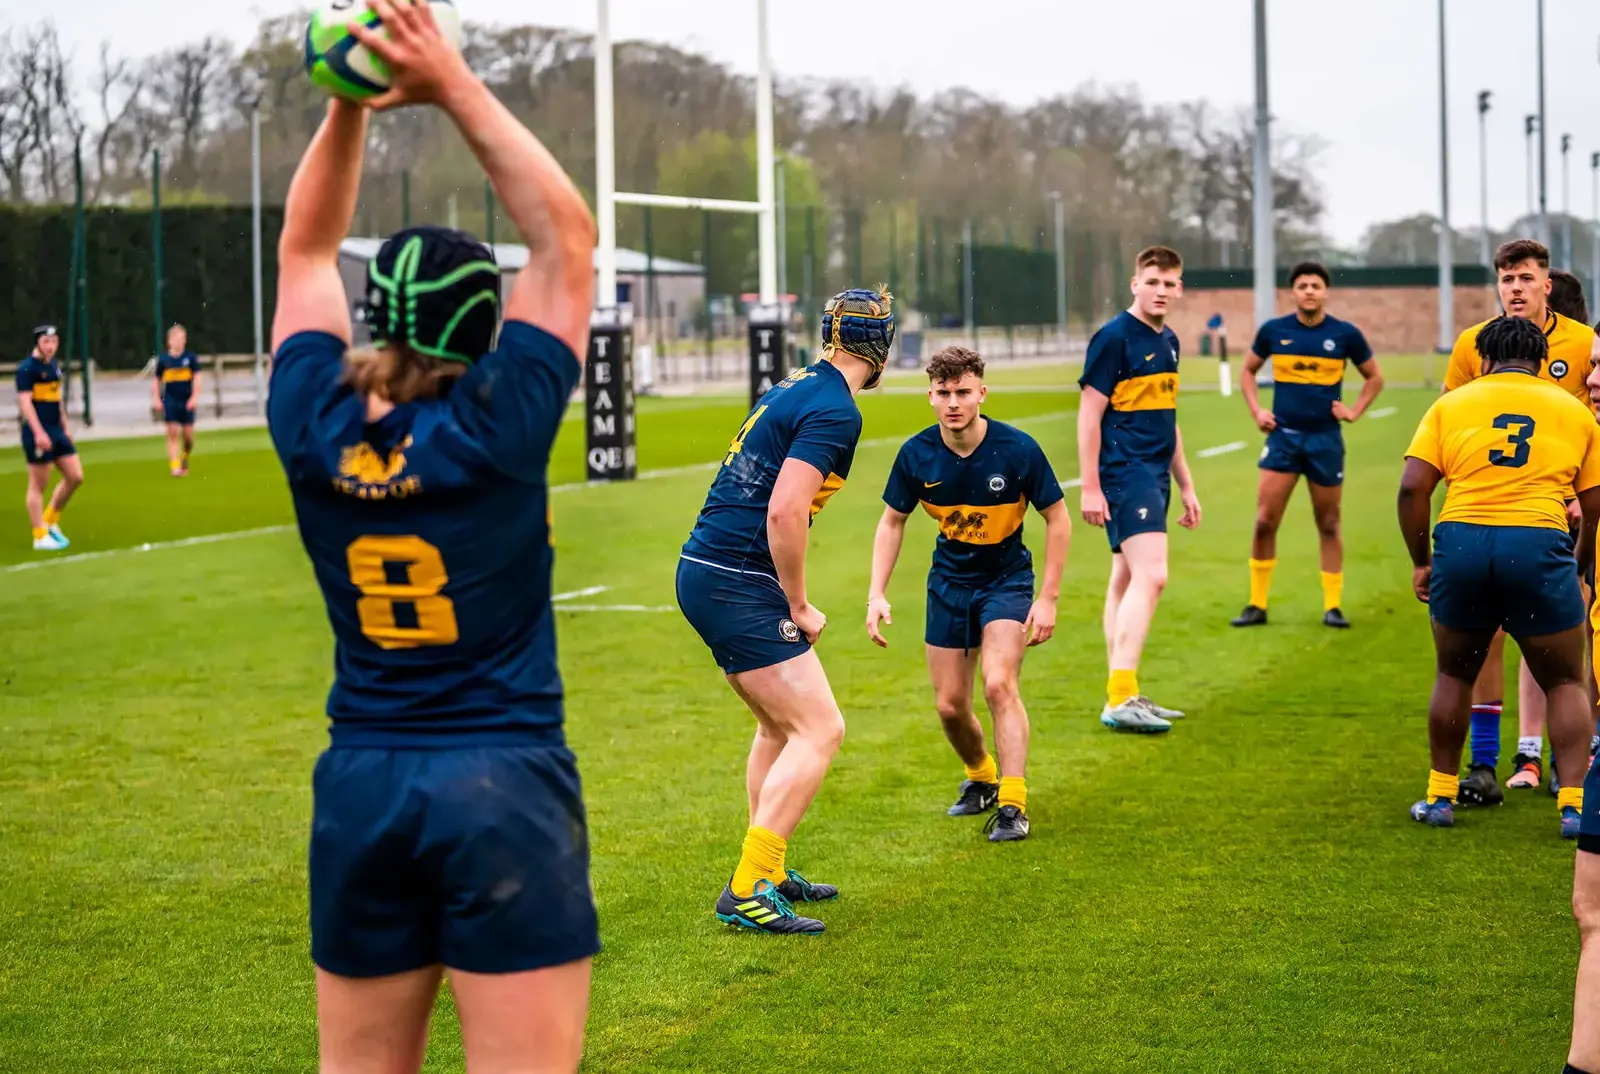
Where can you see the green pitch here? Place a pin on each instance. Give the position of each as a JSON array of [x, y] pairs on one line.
[[1243, 894]]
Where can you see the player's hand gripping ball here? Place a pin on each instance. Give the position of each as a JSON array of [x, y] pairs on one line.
[[861, 322], [344, 66]]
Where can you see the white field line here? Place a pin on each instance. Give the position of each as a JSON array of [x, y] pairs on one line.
[[616, 608], [648, 475], [1384, 412], [1221, 449], [590, 591]]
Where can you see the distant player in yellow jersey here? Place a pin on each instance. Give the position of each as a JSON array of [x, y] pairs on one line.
[[1511, 448], [1524, 281]]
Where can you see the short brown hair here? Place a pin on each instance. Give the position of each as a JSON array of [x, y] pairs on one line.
[[955, 362], [1164, 258], [399, 374], [1517, 251]]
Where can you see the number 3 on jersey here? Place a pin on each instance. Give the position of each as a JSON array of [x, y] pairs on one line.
[[744, 431], [401, 572], [1520, 431]]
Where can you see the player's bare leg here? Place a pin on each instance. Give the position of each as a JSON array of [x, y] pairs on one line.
[[174, 452], [38, 481], [768, 742], [952, 672], [1556, 662], [71, 468], [1326, 507], [1585, 1051], [1144, 560], [1273, 489], [375, 1025], [1004, 643], [1459, 657], [1116, 590], [523, 1023]]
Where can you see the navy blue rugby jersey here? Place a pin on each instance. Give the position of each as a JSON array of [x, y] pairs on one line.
[[811, 416], [40, 380], [978, 501], [429, 534], [1136, 368], [1308, 367], [176, 373]]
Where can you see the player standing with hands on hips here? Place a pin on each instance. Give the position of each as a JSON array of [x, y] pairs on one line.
[[1129, 452], [448, 830], [173, 393]]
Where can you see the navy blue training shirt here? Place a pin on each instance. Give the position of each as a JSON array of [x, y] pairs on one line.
[[810, 416], [978, 500], [429, 534], [1308, 366], [176, 374], [1136, 368], [40, 380]]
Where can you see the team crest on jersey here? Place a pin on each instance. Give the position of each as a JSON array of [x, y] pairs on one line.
[[1327, 345], [957, 522], [788, 630], [1558, 369], [362, 463], [997, 483]]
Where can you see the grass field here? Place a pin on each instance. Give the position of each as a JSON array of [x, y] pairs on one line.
[[1245, 894]]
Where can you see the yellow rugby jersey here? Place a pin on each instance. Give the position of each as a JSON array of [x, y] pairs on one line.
[[1568, 365], [1511, 447]]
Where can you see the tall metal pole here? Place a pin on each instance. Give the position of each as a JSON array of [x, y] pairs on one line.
[[1447, 290], [605, 163], [1061, 268], [1530, 124], [1566, 202], [405, 198], [155, 243], [783, 234], [970, 307], [488, 213], [1544, 203], [767, 240], [1594, 227], [1264, 241], [1483, 175], [255, 253]]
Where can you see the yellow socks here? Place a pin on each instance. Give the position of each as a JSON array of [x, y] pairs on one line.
[[1121, 686], [984, 771], [1445, 785], [1261, 581], [1566, 796], [1014, 791], [1332, 590], [762, 860], [51, 516], [40, 534]]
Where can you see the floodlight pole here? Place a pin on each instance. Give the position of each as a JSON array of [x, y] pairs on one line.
[[767, 241], [1447, 313], [1483, 174], [1544, 201], [255, 249], [1264, 241], [1594, 226], [1061, 268], [605, 165]]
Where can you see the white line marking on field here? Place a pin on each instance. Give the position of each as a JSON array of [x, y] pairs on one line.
[[616, 608], [1221, 449], [1073, 483], [187, 542], [590, 591], [1384, 412]]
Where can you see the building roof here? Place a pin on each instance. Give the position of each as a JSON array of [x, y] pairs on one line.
[[512, 256]]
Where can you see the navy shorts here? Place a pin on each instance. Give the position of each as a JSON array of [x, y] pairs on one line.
[[1522, 579], [1318, 455], [958, 614], [176, 411], [476, 858], [61, 445], [742, 617], [1137, 506]]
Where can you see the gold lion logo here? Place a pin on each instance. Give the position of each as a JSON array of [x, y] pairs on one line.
[[360, 463], [959, 523]]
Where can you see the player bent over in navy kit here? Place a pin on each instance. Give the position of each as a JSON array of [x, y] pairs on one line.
[[976, 477], [1308, 350], [1129, 452], [1511, 447], [742, 586], [45, 440], [448, 830]]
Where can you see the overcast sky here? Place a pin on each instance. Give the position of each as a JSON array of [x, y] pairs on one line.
[[1361, 74]]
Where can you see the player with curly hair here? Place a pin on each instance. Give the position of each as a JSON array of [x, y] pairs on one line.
[[742, 586]]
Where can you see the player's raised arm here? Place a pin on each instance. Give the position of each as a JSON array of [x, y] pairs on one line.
[[1091, 410], [886, 544], [555, 290], [316, 218]]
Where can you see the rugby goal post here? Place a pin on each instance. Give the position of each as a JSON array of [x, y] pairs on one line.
[[609, 372]]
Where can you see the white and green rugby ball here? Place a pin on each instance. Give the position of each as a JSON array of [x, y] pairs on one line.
[[342, 65]]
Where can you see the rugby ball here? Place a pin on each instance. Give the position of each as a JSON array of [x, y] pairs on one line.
[[343, 66]]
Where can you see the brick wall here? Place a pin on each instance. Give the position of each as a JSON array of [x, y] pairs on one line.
[[1396, 320]]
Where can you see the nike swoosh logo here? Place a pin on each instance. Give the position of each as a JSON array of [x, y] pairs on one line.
[[931, 484], [1285, 342], [1150, 356]]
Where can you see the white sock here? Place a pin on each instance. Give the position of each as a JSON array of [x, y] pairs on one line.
[[1530, 745]]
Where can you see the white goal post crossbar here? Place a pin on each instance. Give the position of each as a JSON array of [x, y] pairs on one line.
[[607, 197]]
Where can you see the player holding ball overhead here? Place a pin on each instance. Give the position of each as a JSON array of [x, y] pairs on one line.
[[448, 833]]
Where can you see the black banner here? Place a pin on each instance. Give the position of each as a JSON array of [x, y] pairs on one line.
[[609, 453], [768, 353]]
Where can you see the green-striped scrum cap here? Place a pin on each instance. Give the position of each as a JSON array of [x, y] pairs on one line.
[[435, 290]]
